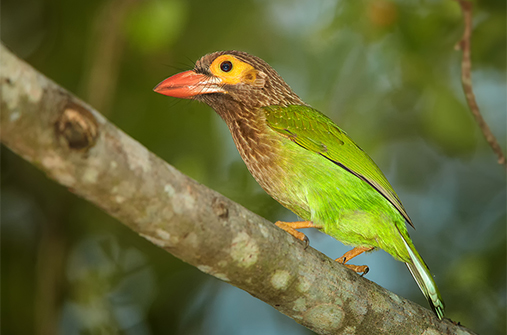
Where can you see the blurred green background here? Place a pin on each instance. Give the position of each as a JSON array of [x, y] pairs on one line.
[[385, 71]]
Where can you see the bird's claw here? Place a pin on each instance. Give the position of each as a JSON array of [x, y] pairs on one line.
[[306, 241]]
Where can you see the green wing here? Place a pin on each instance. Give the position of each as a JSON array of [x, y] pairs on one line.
[[315, 132]]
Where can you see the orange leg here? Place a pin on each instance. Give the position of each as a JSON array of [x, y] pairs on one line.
[[290, 227], [351, 254]]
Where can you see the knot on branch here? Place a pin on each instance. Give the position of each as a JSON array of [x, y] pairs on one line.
[[77, 126]]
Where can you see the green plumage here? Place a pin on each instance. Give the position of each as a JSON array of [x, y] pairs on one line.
[[345, 189]]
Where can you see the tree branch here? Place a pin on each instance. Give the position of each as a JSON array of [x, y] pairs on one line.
[[77, 147], [466, 80]]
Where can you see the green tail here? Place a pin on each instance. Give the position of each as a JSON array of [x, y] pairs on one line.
[[422, 276]]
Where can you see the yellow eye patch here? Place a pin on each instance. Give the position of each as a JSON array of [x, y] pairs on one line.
[[232, 71]]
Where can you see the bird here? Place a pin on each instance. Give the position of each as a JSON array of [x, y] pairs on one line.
[[303, 160]]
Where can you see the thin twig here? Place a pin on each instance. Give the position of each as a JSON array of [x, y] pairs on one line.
[[466, 80]]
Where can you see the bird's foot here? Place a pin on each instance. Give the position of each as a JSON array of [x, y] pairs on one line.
[[290, 227], [363, 269]]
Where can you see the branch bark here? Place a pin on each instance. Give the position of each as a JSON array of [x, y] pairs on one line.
[[77, 147], [466, 80]]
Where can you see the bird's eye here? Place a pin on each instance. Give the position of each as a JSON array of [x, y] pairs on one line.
[[226, 66]]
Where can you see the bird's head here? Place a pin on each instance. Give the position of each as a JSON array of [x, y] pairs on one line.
[[230, 78]]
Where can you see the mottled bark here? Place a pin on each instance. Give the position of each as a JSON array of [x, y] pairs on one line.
[[77, 147]]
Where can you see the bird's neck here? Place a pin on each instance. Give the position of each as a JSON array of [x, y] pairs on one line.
[[248, 129], [250, 133]]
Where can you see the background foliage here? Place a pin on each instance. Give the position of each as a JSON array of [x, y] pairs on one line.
[[385, 71]]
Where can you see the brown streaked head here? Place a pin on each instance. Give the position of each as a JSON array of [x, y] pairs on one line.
[[230, 80]]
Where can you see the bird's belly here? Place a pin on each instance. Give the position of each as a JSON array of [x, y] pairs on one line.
[[276, 176], [281, 184]]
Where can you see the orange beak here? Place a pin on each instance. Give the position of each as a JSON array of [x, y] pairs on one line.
[[188, 84]]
